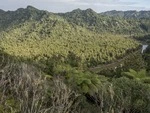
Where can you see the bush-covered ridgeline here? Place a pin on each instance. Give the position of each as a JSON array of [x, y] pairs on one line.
[[103, 23], [128, 14], [36, 34], [76, 62]]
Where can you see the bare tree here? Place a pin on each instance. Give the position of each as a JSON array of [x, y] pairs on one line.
[[23, 84], [64, 100], [27, 87]]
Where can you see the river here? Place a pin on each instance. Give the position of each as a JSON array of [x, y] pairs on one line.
[[144, 48], [117, 62]]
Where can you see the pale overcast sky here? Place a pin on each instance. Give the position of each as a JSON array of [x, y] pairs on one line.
[[68, 5]]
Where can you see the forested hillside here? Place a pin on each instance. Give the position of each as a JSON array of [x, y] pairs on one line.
[[102, 23], [38, 34], [128, 14], [75, 62]]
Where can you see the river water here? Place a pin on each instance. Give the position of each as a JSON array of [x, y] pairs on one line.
[[144, 48]]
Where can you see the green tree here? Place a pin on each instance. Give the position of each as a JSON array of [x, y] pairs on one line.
[[141, 75]]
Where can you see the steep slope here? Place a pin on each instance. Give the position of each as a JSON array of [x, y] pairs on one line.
[[13, 18], [1, 12], [102, 23], [50, 34]]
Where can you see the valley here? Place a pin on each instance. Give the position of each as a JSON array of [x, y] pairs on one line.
[[75, 62]]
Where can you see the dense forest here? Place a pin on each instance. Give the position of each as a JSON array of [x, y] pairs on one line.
[[128, 14], [75, 62]]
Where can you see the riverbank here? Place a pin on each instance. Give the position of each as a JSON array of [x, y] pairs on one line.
[[144, 40]]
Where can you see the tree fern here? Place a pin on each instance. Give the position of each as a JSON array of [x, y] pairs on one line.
[[137, 75]]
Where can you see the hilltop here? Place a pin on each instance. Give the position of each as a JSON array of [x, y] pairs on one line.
[[128, 14], [36, 34]]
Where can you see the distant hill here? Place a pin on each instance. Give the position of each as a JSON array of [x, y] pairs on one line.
[[111, 22], [1, 12], [128, 14], [104, 23]]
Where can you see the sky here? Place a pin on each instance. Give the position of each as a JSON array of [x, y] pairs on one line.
[[69, 5]]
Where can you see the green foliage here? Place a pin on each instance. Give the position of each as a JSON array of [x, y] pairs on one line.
[[132, 95], [89, 47], [135, 61], [38, 35], [128, 14], [103, 23], [65, 46], [85, 82], [141, 75]]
